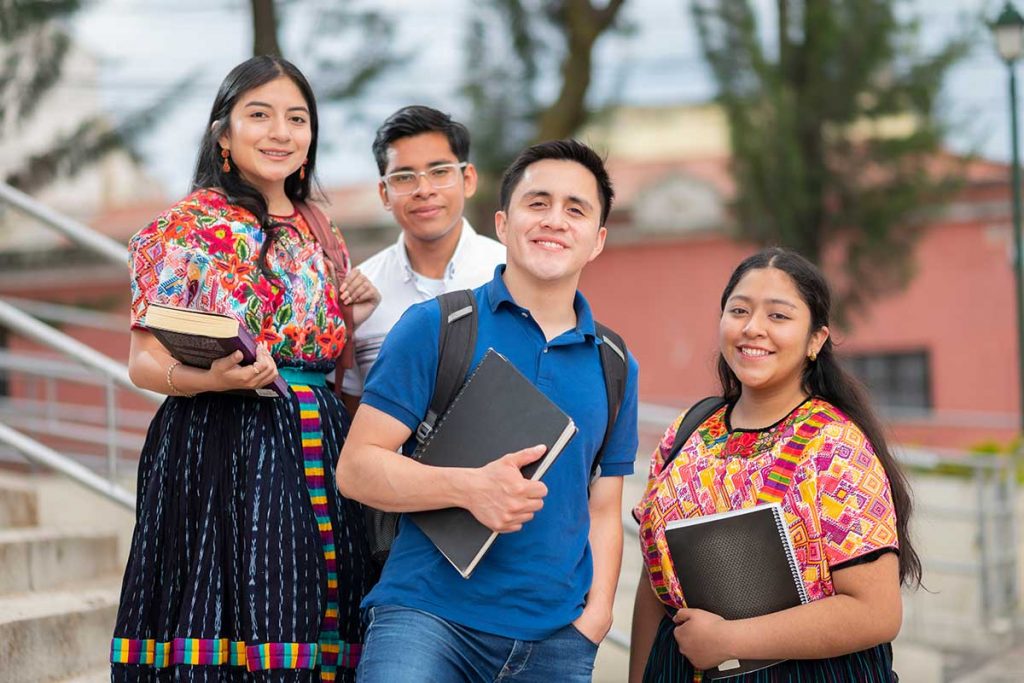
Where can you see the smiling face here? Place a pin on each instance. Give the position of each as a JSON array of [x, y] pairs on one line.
[[269, 134], [765, 333], [427, 214], [553, 224]]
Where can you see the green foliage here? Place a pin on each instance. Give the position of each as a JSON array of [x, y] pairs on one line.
[[92, 139], [1010, 450], [348, 47], [835, 133], [34, 49], [512, 47]]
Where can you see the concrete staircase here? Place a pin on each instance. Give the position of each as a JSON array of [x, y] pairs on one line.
[[60, 575]]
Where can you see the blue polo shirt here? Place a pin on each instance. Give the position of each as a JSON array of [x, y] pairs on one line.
[[532, 582]]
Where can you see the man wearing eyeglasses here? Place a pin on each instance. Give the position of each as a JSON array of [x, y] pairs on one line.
[[426, 178]]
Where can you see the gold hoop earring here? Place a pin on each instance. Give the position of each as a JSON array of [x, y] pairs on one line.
[[812, 356], [302, 169], [224, 154]]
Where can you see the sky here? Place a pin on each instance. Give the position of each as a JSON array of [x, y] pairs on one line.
[[144, 46]]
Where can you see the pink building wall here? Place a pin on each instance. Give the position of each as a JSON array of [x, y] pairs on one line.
[[663, 298]]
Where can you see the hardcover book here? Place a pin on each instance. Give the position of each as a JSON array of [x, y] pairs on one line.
[[497, 411], [198, 338], [736, 564]]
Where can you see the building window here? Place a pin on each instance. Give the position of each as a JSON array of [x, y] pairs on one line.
[[897, 381]]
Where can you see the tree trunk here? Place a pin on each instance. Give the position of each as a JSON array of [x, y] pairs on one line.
[[264, 29], [582, 25]]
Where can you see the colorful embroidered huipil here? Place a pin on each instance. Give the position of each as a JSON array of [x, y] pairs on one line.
[[244, 558], [834, 493]]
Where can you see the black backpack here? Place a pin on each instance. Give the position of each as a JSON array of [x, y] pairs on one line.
[[698, 412], [455, 345]]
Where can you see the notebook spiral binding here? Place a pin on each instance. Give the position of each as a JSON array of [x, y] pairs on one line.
[[794, 567], [421, 448]]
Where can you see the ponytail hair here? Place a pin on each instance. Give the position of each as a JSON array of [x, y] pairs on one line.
[[826, 379]]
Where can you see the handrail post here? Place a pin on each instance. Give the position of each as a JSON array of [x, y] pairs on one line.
[[78, 233], [51, 401], [112, 446]]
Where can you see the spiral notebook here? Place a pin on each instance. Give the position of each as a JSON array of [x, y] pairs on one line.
[[497, 411], [737, 564]]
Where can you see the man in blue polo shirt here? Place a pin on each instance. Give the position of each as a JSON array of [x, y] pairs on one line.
[[540, 601]]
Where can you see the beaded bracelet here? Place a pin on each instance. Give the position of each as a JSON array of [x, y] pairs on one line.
[[170, 383]]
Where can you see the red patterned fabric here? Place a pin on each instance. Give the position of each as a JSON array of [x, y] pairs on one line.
[[203, 253]]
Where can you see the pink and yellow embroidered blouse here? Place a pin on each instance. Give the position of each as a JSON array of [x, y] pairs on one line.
[[838, 507], [202, 253]]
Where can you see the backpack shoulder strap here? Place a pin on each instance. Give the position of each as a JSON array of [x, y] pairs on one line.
[[615, 366], [455, 345], [330, 242], [698, 412]]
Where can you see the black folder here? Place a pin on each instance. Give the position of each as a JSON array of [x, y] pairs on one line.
[[736, 564], [497, 411]]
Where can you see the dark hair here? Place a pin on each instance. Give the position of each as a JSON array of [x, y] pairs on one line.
[[250, 74], [416, 120], [826, 378], [561, 150]]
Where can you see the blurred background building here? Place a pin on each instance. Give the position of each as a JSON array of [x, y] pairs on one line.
[[884, 160]]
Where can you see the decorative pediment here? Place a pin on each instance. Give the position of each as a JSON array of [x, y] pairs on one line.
[[678, 203]]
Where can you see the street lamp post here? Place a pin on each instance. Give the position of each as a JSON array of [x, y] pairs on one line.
[[1008, 29]]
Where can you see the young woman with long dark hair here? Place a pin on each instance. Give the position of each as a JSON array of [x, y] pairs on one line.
[[245, 561], [846, 502]]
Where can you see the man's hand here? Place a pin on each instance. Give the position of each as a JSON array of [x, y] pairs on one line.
[[500, 497], [594, 623]]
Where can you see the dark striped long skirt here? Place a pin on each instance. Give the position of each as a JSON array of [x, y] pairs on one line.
[[874, 665], [246, 563]]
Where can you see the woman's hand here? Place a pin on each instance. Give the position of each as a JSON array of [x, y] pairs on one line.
[[226, 374], [702, 637], [358, 292]]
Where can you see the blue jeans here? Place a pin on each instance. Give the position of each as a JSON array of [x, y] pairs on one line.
[[405, 645]]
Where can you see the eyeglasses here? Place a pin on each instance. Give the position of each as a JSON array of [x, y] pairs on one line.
[[439, 177]]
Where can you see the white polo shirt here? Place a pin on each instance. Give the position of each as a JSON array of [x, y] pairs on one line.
[[471, 265]]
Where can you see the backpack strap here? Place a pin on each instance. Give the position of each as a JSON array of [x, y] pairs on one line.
[[698, 412], [330, 241], [455, 344], [615, 366]]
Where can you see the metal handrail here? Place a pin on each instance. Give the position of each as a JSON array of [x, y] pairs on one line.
[[44, 455], [59, 313], [133, 421], [78, 233], [116, 372]]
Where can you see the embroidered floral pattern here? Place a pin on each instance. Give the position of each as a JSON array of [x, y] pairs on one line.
[[202, 253]]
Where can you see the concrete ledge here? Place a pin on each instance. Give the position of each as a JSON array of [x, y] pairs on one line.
[[19, 506], [56, 634], [40, 559]]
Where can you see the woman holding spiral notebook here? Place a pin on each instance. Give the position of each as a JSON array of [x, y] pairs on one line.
[[245, 558], [794, 429]]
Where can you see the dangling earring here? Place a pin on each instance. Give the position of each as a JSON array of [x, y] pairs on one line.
[[224, 154], [812, 356], [302, 169]]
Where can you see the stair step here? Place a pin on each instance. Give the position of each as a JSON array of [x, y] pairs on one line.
[[58, 633], [34, 559], [19, 506], [100, 675]]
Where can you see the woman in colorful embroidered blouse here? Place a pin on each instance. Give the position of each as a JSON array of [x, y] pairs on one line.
[[844, 498], [243, 559]]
